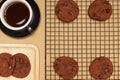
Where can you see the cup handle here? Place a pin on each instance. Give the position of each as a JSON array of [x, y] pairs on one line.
[[29, 29]]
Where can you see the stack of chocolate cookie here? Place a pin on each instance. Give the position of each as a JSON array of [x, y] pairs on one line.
[[17, 65]]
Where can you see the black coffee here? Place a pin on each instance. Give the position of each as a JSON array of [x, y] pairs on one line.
[[17, 14]]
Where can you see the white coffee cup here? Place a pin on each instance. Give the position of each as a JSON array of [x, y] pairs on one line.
[[5, 5]]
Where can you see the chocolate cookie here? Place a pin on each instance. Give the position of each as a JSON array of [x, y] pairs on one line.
[[66, 67], [7, 63], [67, 10], [101, 68], [22, 66], [100, 10]]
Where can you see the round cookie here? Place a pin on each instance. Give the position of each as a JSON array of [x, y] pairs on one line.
[[66, 67], [100, 10], [7, 63], [101, 68], [22, 66], [66, 10]]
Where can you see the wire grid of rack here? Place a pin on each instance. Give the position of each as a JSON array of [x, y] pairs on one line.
[[83, 39]]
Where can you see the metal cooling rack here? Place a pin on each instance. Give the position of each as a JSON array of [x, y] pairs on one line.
[[84, 39]]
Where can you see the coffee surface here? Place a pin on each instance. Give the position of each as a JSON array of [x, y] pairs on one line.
[[17, 14]]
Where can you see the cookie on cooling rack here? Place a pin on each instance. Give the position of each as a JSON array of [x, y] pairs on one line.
[[7, 63], [66, 10], [66, 67], [22, 66], [100, 10], [101, 68]]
